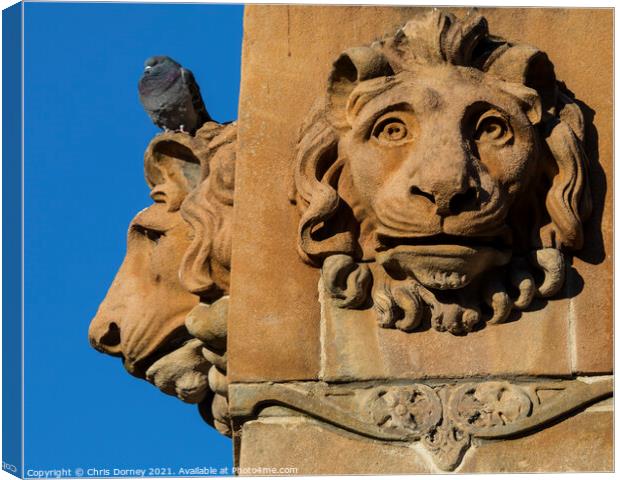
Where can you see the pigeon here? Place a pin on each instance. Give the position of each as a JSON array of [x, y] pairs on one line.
[[171, 96]]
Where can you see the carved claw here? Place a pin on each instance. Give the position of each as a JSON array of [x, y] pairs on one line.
[[384, 304], [347, 281], [523, 280], [208, 322], [221, 415], [495, 296], [218, 382], [398, 306], [410, 303], [551, 262], [219, 359], [469, 318], [448, 316], [182, 373]]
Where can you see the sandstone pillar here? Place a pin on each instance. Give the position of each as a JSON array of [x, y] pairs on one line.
[[478, 343]]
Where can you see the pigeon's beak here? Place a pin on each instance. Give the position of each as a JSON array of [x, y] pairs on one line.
[[147, 68]]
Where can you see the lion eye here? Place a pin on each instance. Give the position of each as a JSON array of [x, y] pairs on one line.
[[391, 130], [153, 235], [493, 129]]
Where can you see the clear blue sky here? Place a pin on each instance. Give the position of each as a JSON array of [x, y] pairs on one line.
[[85, 135]]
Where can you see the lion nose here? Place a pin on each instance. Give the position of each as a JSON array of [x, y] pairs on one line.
[[105, 335], [449, 198], [441, 170]]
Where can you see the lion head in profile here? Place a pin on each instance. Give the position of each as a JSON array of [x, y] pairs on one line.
[[142, 316], [177, 264], [444, 174]]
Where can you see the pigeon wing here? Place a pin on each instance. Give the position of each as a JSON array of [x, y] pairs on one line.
[[194, 91]]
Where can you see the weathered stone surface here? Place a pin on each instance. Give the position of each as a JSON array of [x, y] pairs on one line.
[[583, 443], [316, 448], [313, 448], [287, 343], [353, 348]]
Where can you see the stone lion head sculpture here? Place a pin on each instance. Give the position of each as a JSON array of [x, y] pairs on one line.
[[177, 261], [443, 175]]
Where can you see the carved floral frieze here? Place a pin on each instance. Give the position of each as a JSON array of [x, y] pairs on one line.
[[444, 417]]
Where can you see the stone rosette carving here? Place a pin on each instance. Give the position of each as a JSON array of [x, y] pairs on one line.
[[445, 417], [490, 404], [165, 313], [443, 176], [411, 409]]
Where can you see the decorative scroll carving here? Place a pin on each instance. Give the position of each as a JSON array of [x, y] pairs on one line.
[[454, 161], [447, 443], [444, 417]]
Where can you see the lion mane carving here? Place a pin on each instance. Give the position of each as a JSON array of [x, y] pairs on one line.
[[165, 313], [204, 271], [205, 267], [443, 175]]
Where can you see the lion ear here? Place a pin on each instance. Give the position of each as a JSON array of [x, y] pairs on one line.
[[172, 168], [526, 65], [352, 67]]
